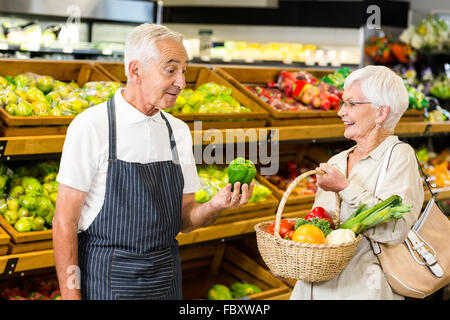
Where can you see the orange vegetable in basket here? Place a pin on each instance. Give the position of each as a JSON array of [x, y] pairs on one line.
[[309, 234]]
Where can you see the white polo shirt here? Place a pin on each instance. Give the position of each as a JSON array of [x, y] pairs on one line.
[[140, 138]]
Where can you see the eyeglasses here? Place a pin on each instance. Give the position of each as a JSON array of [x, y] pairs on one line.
[[351, 104]]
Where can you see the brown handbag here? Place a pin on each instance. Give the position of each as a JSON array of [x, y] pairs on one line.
[[420, 265]]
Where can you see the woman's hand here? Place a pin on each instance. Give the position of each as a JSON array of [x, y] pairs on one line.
[[333, 180], [225, 199]]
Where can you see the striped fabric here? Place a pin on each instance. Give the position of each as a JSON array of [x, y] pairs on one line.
[[130, 250]]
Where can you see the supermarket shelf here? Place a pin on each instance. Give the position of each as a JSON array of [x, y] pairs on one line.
[[439, 127], [232, 229], [52, 144], [265, 63], [17, 263], [441, 194], [88, 52], [30, 145]]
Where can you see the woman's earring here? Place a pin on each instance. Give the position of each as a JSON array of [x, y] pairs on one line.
[[378, 126]]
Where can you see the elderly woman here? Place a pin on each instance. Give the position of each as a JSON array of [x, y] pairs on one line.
[[374, 100]]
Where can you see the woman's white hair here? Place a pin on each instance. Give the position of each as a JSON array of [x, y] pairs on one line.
[[140, 44], [382, 87]]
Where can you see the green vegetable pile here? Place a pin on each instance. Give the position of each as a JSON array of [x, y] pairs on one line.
[[209, 97], [441, 87], [322, 224], [337, 79], [383, 212], [417, 99], [235, 291], [29, 94], [29, 195], [212, 179]]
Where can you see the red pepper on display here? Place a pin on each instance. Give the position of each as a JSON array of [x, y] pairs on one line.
[[320, 213]]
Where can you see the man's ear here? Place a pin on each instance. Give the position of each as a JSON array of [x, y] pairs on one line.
[[134, 71]]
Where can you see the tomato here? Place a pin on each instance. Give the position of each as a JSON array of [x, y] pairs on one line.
[[285, 226], [308, 233], [289, 234]]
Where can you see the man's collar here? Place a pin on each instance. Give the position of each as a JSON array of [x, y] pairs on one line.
[[130, 113]]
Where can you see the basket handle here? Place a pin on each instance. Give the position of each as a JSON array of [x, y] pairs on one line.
[[288, 192]]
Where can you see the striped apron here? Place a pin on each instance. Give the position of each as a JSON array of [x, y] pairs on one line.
[[130, 251]]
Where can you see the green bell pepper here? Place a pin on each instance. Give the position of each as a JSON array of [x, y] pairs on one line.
[[241, 170]]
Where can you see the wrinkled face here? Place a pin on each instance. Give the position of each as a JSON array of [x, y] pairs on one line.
[[163, 78], [359, 119]]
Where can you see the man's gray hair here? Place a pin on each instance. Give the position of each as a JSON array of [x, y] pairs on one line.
[[140, 44], [382, 87]]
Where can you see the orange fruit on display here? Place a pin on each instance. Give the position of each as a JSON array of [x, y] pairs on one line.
[[309, 234]]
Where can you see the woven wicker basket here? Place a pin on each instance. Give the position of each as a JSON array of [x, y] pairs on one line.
[[302, 261]]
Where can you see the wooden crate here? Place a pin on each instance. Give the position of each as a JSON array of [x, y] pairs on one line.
[[208, 264], [4, 240], [241, 77], [14, 248], [78, 71], [22, 237], [196, 76]]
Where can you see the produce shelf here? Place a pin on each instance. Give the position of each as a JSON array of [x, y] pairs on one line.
[[21, 262], [439, 127], [204, 265], [232, 229], [4, 240], [50, 144], [30, 145], [21, 237], [441, 194], [79, 71]]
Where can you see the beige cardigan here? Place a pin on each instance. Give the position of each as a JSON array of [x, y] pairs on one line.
[[363, 278]]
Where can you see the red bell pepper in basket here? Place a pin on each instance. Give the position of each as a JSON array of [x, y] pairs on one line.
[[320, 213]]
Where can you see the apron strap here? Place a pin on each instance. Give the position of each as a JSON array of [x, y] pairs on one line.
[[113, 139], [112, 129], [173, 144]]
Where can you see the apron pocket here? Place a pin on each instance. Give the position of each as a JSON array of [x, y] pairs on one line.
[[141, 276]]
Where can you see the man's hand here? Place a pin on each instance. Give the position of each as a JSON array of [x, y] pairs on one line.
[[196, 215], [333, 180], [225, 199]]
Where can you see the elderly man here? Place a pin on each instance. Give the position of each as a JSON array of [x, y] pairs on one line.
[[127, 182]]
